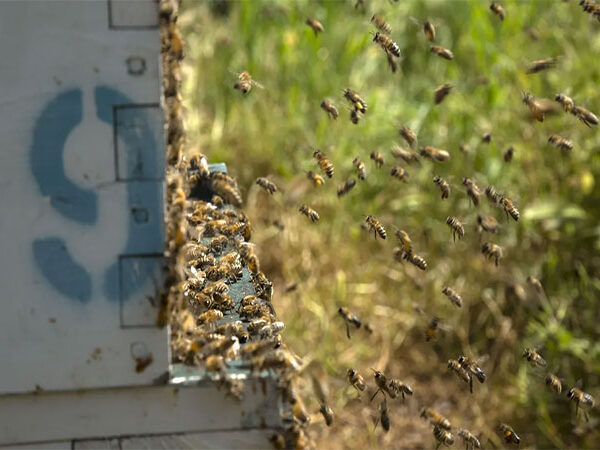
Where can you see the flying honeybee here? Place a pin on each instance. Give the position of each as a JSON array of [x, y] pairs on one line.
[[486, 138], [330, 109], [381, 24], [354, 117], [565, 101], [382, 384], [498, 10], [541, 64], [405, 240], [416, 260], [453, 296], [358, 104], [431, 331], [457, 228], [534, 106], [558, 141], [472, 368], [534, 358], [553, 383], [469, 439], [492, 251], [346, 187], [374, 225], [356, 380], [398, 387], [267, 185], [317, 180], [360, 168], [349, 318], [316, 26], [487, 223], [435, 418], [441, 92], [399, 173], [508, 154], [407, 155], [492, 195], [509, 207], [442, 52], [587, 117], [473, 191], [443, 436], [460, 372], [582, 400], [429, 31], [387, 44], [408, 135], [434, 154], [508, 434], [324, 163], [444, 186], [245, 83], [384, 416], [377, 158], [309, 212]]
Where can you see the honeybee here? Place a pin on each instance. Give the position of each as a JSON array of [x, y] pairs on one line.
[[442, 52], [387, 44], [509, 208], [377, 158], [317, 180], [558, 141], [309, 212], [210, 316], [541, 64], [316, 26], [245, 83], [356, 380], [443, 436], [324, 163], [534, 106], [487, 223], [587, 117], [346, 187], [441, 92], [582, 400], [469, 439], [497, 10], [399, 173], [407, 155], [384, 416], [444, 186], [431, 331], [509, 435], [198, 162], [472, 368], [327, 413], [508, 154], [226, 187], [408, 135], [374, 225], [565, 101], [398, 387], [215, 363], [330, 109], [457, 228], [473, 191], [349, 318], [405, 240], [382, 384], [434, 154], [354, 117], [381, 24], [461, 373], [360, 168], [534, 358], [429, 31], [492, 251], [416, 260], [267, 185], [492, 195], [553, 383], [486, 138], [435, 418], [358, 104], [453, 296]]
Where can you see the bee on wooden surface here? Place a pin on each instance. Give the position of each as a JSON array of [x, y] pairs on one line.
[[360, 168], [407, 155], [498, 10], [374, 225], [587, 117], [487, 223], [432, 328], [534, 106], [349, 318], [508, 154], [357, 103], [408, 135], [457, 228], [271, 330], [442, 52], [435, 154], [381, 24], [444, 186], [461, 373], [492, 251], [554, 384], [582, 400], [441, 92], [309, 212], [508, 434], [473, 191], [565, 101], [245, 83], [218, 244], [435, 418], [399, 173], [176, 42], [541, 64], [316, 26], [199, 163], [210, 316], [558, 141], [330, 109], [453, 296], [324, 163], [384, 417], [509, 207], [429, 31], [267, 185], [316, 179], [399, 387], [444, 437], [492, 195], [534, 358], [215, 363], [226, 187], [377, 158], [387, 44], [469, 439], [344, 188], [356, 380]]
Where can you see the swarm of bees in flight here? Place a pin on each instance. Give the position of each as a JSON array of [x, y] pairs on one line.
[[210, 248]]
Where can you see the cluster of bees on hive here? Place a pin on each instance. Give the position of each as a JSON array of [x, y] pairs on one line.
[[209, 248]]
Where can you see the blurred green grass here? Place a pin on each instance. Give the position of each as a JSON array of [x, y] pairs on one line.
[[274, 132]]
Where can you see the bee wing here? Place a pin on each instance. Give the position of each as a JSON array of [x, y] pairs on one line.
[[257, 84]]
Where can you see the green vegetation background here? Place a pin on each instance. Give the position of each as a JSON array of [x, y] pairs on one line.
[[274, 132]]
